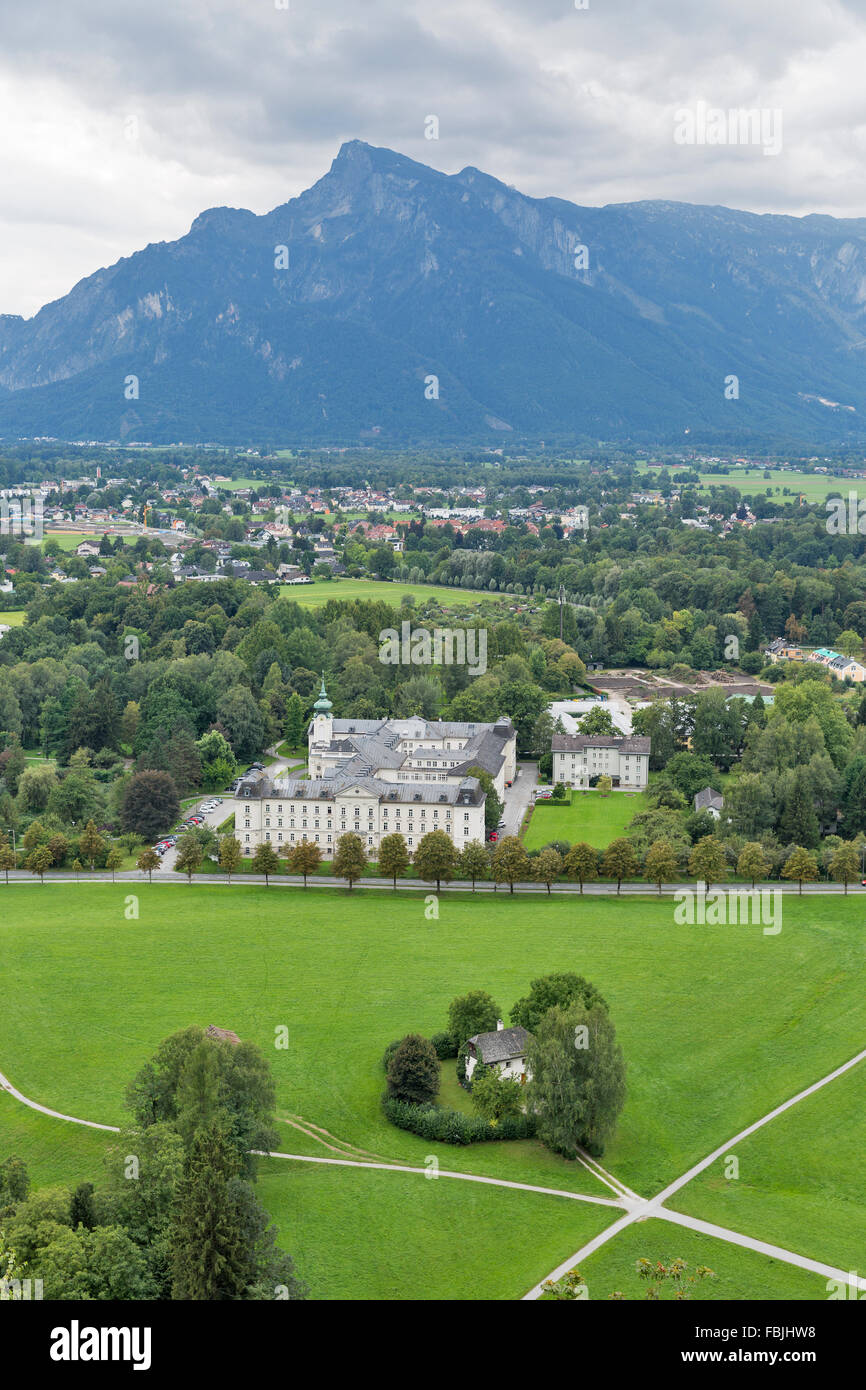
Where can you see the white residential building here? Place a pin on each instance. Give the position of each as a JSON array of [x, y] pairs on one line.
[[580, 759], [505, 1050]]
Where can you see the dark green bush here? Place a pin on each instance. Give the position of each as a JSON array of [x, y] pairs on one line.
[[438, 1125], [445, 1046]]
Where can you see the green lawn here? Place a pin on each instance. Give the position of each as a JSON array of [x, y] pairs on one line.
[[315, 594], [56, 1153], [591, 817], [800, 1178], [373, 1235], [718, 1025], [739, 1274], [71, 540], [815, 487], [13, 617]]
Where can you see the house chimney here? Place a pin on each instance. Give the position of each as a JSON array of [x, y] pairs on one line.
[[499, 1025]]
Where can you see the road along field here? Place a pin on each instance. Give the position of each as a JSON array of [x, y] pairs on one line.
[[718, 1025]]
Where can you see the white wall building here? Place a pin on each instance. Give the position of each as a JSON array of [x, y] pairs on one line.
[[412, 750], [580, 759], [505, 1050], [289, 810]]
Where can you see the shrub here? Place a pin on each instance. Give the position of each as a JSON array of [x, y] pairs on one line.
[[413, 1072], [389, 1052], [441, 1126], [445, 1046]]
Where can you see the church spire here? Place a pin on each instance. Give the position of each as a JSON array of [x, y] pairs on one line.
[[323, 704]]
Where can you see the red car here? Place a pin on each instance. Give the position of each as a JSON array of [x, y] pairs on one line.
[[492, 836]]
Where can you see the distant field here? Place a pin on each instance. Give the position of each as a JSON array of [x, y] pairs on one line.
[[315, 594], [14, 618], [238, 483], [69, 540], [591, 817], [814, 487]]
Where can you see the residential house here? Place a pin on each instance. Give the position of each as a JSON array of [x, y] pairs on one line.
[[709, 800], [580, 759], [504, 1049]]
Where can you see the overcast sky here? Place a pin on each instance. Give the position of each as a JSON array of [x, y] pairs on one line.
[[121, 122]]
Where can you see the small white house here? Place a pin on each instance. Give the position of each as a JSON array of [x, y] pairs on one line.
[[709, 800], [505, 1049]]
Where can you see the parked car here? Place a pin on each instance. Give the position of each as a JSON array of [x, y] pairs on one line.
[[492, 836]]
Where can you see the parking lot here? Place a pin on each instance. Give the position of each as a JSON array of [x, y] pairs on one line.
[[211, 810]]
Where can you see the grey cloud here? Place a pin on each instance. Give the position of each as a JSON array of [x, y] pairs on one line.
[[244, 104]]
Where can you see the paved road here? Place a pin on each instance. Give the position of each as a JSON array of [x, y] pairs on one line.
[[591, 890], [518, 796]]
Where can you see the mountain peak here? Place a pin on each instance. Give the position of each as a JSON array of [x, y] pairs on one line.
[[223, 220], [398, 272]]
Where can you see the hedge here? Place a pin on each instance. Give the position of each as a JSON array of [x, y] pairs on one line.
[[434, 1123]]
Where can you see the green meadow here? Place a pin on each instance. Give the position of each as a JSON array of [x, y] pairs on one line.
[[799, 1180], [588, 816], [718, 1025], [814, 487], [315, 594]]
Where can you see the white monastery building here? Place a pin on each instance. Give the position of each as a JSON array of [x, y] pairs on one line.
[[376, 777]]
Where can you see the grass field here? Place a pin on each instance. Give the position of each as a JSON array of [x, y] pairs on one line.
[[238, 483], [347, 975], [800, 1178], [70, 540], [13, 617], [593, 818], [815, 487], [380, 1235], [739, 1274], [315, 594]]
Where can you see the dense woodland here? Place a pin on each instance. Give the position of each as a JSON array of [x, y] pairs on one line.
[[132, 672]]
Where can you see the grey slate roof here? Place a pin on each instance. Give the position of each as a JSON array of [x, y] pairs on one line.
[[465, 793], [708, 799], [376, 742], [501, 1046], [575, 743]]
